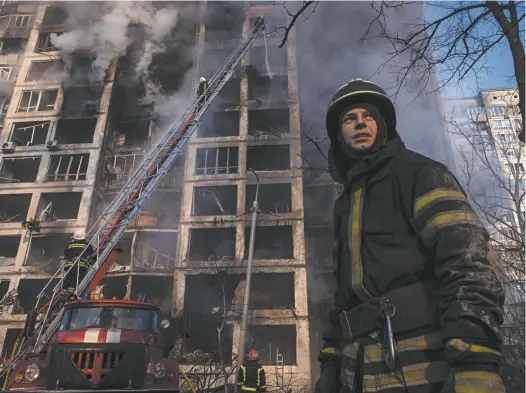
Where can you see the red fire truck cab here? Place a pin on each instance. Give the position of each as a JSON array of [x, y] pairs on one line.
[[101, 345]]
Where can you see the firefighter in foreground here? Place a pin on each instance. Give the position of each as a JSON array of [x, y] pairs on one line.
[[71, 253], [419, 305], [251, 375]]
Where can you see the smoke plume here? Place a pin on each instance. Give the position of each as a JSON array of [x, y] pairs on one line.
[[104, 33]]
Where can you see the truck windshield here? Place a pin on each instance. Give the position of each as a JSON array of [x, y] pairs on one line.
[[109, 318]]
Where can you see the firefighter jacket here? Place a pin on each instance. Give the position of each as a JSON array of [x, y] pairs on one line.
[[74, 249], [202, 88], [405, 231], [251, 377]]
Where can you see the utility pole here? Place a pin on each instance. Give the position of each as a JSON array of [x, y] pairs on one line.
[[244, 315]]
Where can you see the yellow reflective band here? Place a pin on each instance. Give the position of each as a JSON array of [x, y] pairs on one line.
[[418, 374], [478, 382], [259, 377], [450, 218], [374, 353], [77, 246], [440, 194], [249, 389], [331, 351], [244, 373], [355, 242], [463, 346]]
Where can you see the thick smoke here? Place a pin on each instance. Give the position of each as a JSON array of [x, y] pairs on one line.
[[104, 33]]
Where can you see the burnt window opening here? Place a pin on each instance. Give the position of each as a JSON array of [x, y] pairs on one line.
[[47, 251], [37, 100], [123, 261], [47, 70], [206, 294], [68, 167], [268, 158], [19, 170], [55, 15], [155, 252], [280, 297], [14, 207], [4, 287], [212, 244], [74, 131], [318, 202], [11, 45], [272, 198], [11, 336], [224, 21], [216, 160], [277, 59], [219, 124], [9, 246], [215, 201], [7, 74], [230, 95], [28, 290], [213, 59], [114, 287], [30, 133], [200, 339], [132, 134], [271, 242], [81, 101], [318, 246], [118, 169], [164, 207], [263, 89], [44, 43], [274, 343], [158, 288], [58, 206], [268, 122]]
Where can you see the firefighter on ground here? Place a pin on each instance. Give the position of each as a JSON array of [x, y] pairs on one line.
[[251, 375], [72, 251], [410, 253]]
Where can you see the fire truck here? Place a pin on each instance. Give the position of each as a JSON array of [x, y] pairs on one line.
[[101, 344], [82, 344]]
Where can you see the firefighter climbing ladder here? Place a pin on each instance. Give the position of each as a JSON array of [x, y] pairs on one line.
[[109, 228]]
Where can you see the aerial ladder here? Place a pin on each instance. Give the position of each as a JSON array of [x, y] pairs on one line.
[[106, 232]]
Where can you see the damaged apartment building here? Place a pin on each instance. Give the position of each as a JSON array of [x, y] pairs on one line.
[[70, 142]]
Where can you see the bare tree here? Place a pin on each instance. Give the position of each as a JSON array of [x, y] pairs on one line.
[[455, 44], [286, 381], [492, 174]]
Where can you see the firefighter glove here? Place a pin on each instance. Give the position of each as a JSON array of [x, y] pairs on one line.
[[330, 362]]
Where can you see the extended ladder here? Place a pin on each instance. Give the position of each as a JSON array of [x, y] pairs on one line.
[[110, 227]]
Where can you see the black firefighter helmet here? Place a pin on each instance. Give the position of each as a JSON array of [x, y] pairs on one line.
[[359, 91]]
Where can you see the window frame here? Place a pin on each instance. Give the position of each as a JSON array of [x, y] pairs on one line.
[[40, 93]]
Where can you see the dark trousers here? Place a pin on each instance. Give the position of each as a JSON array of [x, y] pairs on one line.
[[70, 281]]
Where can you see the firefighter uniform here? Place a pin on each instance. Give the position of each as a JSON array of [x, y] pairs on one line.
[[409, 248], [251, 377], [71, 253], [201, 90]]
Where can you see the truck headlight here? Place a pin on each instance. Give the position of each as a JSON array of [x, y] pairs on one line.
[[32, 372], [159, 371]]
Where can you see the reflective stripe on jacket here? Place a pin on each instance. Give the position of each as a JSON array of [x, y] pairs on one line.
[[251, 376]]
